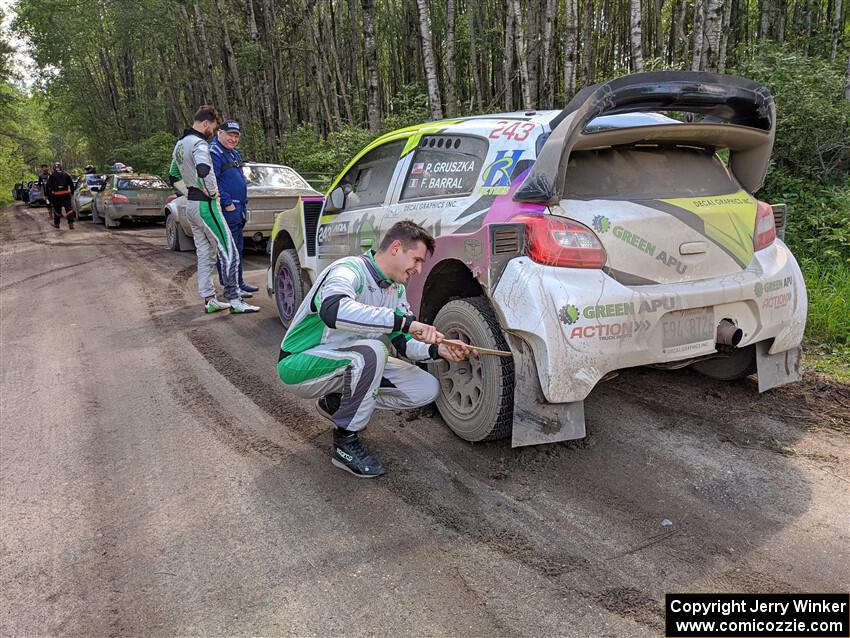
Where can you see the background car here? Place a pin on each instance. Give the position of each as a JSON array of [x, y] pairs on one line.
[[84, 195], [36, 195], [129, 197], [271, 189], [587, 240]]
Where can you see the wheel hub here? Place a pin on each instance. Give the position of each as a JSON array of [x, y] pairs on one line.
[[285, 294]]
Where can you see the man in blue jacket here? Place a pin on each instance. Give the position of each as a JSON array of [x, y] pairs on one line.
[[233, 189]]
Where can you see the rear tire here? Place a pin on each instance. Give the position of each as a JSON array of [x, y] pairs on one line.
[[739, 364], [110, 223], [95, 217], [171, 237], [476, 397], [289, 285]]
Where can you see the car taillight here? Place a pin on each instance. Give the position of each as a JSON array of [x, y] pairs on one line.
[[118, 198], [561, 242], [764, 233]]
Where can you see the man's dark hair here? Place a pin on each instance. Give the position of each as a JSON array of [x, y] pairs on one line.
[[408, 233], [207, 113]]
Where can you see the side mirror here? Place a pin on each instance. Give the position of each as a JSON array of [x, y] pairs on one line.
[[337, 202]]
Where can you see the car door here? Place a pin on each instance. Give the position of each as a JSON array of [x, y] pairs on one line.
[[355, 228]]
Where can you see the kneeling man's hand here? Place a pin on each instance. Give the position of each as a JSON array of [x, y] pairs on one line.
[[451, 352], [425, 333]]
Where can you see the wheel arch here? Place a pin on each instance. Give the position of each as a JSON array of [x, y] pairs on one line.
[[448, 280]]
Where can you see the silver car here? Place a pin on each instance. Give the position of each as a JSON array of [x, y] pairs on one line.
[[83, 197], [271, 189]]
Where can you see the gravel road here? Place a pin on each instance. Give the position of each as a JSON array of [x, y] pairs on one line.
[[155, 480]]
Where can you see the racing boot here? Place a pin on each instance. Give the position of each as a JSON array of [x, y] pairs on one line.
[[214, 305], [238, 307], [349, 454], [247, 288]]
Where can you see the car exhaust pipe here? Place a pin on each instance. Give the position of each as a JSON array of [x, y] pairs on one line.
[[728, 333]]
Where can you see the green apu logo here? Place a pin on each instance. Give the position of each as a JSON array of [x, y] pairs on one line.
[[568, 314], [601, 224], [759, 289]]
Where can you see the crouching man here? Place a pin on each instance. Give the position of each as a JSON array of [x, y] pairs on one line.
[[333, 349]]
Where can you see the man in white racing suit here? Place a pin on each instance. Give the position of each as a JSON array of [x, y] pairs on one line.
[[191, 173], [333, 350]]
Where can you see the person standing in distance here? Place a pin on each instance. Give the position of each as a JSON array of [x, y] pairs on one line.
[[192, 175], [233, 189], [59, 188]]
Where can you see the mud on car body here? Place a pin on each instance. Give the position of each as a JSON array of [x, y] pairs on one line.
[[587, 240]]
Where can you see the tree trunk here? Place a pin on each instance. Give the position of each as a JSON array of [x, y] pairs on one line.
[[548, 28], [724, 36], [508, 67], [659, 30], [699, 35], [711, 40], [587, 43], [474, 61], [836, 29], [636, 37], [429, 61], [680, 43], [451, 97], [211, 75], [230, 57], [265, 99], [373, 108], [521, 55], [570, 49]]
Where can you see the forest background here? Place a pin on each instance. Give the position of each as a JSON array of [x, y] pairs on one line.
[[312, 81]]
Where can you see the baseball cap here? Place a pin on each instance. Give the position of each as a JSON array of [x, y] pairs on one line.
[[231, 126]]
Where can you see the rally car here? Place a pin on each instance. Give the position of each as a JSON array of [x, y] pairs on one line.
[[621, 231]]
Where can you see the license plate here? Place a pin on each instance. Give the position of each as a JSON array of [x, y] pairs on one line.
[[688, 330]]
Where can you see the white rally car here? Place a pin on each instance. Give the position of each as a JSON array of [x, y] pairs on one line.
[[587, 240]]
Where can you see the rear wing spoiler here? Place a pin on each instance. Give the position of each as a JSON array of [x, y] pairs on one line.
[[725, 101]]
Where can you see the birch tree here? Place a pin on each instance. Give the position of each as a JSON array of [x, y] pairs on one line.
[[428, 60], [636, 35]]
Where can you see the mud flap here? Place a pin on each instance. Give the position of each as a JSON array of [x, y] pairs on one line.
[[535, 420], [777, 369]]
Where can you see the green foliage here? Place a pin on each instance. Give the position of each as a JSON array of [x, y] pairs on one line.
[[151, 155], [319, 160], [818, 226], [828, 286], [813, 118]]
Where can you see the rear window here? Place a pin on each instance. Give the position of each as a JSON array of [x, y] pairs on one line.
[[95, 180], [136, 184], [273, 177], [444, 166], [647, 173]]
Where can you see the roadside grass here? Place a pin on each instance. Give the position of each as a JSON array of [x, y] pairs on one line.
[[828, 324]]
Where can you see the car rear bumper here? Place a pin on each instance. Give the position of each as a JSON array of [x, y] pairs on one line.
[[136, 212], [582, 324]]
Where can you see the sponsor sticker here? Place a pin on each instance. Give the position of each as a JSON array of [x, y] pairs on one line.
[[498, 173]]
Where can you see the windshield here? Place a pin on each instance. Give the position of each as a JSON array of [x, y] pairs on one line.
[[273, 177], [135, 184]]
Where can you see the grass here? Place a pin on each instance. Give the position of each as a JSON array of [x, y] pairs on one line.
[[828, 285], [828, 324]]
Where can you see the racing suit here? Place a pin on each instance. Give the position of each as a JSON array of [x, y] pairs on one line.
[[191, 164], [333, 345], [233, 189], [59, 188]]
